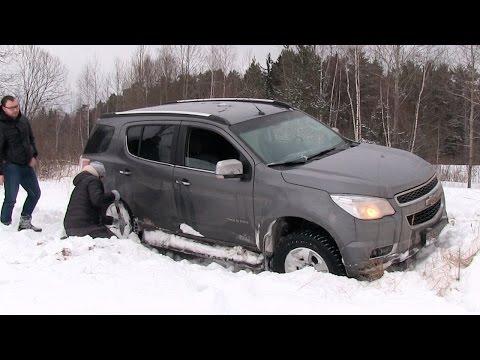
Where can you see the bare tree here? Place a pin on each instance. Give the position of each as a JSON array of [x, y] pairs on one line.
[[385, 114], [84, 84], [393, 57], [5, 52], [212, 59], [90, 84], [332, 92], [151, 75], [6, 75], [189, 58], [246, 60], [426, 57], [97, 85], [339, 95], [425, 68], [470, 57], [137, 74], [58, 125], [107, 89], [358, 120], [41, 79], [118, 79], [350, 97], [169, 68], [226, 57], [352, 54], [328, 52]]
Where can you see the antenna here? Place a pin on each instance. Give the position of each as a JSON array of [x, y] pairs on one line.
[[260, 112]]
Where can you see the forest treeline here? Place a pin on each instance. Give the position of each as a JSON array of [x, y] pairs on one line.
[[423, 99]]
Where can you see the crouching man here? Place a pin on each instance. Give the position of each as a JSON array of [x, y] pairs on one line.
[[86, 209]]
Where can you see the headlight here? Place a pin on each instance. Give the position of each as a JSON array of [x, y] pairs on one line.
[[364, 207]]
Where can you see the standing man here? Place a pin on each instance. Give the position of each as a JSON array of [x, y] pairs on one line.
[[17, 161]]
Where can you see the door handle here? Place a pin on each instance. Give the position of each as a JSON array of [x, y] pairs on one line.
[[125, 172], [184, 182]]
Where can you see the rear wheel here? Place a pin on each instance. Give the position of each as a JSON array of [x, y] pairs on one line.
[[307, 248], [115, 228]]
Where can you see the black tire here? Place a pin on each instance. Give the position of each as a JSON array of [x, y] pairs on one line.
[[322, 251]]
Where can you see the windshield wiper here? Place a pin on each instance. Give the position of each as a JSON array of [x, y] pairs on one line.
[[301, 160], [323, 152]]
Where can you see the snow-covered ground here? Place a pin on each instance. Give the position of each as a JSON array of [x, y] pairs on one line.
[[42, 274]]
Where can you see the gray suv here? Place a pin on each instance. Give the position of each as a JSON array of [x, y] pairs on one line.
[[259, 183]]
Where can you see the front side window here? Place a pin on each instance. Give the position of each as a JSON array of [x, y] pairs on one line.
[[204, 148]]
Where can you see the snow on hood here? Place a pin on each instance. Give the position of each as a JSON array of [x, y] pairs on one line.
[[366, 169]]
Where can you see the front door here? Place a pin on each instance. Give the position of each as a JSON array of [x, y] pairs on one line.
[[210, 207]]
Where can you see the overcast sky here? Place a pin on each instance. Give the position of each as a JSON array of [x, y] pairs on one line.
[[74, 57]]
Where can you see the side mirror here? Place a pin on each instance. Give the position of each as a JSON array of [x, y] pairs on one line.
[[230, 168]]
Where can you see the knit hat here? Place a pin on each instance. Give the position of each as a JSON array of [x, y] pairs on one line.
[[96, 168]]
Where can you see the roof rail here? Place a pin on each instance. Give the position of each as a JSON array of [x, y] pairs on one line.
[[140, 111], [266, 101]]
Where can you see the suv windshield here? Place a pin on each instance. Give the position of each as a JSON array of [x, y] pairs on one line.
[[287, 137]]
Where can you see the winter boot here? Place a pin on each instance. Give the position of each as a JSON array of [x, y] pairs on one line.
[[26, 223]]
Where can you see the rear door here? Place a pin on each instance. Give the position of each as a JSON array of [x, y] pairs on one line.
[[209, 207], [144, 171]]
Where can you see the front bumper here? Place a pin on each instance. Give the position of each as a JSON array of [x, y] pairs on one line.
[[399, 237]]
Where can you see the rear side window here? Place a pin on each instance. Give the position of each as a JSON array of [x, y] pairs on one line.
[[133, 139], [100, 139], [151, 142]]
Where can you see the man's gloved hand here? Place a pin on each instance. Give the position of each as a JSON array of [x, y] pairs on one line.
[[116, 194]]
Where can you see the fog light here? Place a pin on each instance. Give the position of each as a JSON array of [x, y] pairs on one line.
[[381, 251]]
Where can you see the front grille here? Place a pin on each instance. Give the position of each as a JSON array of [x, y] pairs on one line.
[[417, 192], [424, 215]]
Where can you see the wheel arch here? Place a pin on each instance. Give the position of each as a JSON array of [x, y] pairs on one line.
[[283, 226]]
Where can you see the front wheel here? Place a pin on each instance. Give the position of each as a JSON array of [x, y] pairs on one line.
[[307, 248], [115, 228]]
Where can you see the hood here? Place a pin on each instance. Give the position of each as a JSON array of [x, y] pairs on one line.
[[80, 176], [366, 169]]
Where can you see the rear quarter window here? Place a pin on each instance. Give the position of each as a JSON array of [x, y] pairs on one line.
[[100, 139]]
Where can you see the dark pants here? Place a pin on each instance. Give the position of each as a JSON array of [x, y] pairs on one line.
[[14, 176]]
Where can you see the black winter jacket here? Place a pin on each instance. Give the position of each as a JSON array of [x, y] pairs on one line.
[[17, 144], [88, 203]]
